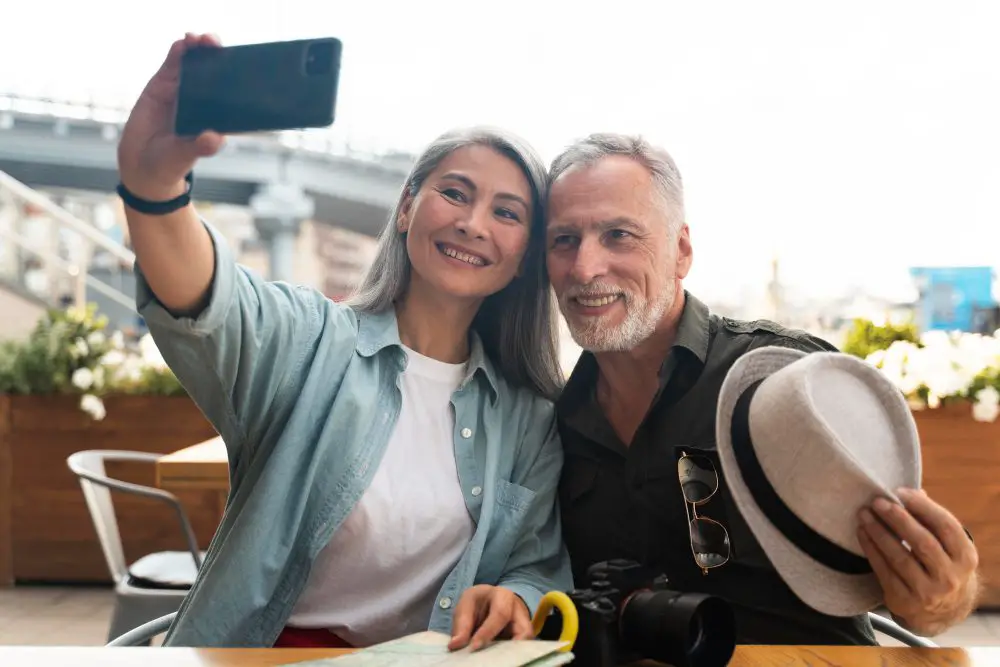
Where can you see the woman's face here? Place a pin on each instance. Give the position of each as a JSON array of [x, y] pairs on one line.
[[468, 226]]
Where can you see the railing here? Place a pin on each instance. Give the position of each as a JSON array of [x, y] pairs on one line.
[[52, 262], [333, 141]]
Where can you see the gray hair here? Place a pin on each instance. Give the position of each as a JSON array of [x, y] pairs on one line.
[[517, 325], [666, 176]]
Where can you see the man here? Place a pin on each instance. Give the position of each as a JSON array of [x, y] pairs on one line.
[[645, 391]]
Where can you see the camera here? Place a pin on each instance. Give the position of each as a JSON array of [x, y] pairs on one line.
[[627, 613]]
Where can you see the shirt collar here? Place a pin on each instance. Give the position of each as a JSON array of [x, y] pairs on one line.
[[693, 334], [378, 331]]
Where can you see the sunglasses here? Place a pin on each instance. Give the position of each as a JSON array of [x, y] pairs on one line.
[[709, 538]]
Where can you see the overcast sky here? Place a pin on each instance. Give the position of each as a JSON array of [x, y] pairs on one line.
[[855, 139]]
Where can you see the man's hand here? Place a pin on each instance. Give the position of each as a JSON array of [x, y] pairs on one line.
[[486, 612], [932, 585]]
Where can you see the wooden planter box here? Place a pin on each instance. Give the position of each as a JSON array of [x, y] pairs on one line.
[[46, 533], [961, 466]]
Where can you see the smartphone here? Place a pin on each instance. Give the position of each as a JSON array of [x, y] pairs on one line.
[[258, 87]]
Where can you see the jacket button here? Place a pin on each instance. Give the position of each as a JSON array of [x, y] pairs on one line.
[[444, 603], [466, 432], [476, 490]]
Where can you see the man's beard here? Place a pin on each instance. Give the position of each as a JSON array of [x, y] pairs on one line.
[[597, 334]]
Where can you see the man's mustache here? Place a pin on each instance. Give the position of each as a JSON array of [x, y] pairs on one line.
[[594, 290]]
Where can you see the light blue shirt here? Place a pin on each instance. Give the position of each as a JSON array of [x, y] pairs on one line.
[[303, 392]]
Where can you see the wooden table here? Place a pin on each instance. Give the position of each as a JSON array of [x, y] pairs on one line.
[[203, 467], [746, 656]]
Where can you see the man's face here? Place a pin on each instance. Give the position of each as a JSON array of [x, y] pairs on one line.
[[613, 260]]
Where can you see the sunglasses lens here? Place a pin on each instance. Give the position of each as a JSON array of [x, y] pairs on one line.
[[698, 478], [710, 543]]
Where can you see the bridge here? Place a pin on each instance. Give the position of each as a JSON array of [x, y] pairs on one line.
[[47, 143]]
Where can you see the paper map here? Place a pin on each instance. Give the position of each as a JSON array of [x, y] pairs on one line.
[[430, 649]]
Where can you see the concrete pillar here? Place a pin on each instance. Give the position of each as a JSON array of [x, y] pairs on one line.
[[278, 212]]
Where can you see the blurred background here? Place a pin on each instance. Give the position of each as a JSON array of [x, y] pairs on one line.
[[840, 172]]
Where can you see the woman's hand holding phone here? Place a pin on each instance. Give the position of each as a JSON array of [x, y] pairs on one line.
[[152, 159]]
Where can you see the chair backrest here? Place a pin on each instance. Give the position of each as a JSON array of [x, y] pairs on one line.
[[892, 629], [89, 467], [143, 634]]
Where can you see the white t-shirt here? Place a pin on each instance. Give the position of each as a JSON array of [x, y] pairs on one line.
[[379, 576]]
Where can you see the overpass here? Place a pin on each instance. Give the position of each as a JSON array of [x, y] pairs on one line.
[[47, 143]]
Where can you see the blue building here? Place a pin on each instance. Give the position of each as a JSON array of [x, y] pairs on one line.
[[955, 298]]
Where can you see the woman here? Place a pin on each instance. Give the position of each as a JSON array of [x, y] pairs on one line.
[[388, 454]]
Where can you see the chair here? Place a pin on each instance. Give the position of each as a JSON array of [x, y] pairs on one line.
[[155, 584], [890, 628], [143, 635]]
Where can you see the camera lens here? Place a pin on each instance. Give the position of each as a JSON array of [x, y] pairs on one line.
[[681, 629], [319, 58]]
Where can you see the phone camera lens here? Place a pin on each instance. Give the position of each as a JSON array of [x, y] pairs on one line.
[[319, 58]]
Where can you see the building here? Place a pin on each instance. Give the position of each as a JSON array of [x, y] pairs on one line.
[[956, 298]]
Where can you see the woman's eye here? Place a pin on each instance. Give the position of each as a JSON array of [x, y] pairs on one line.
[[509, 214], [454, 194]]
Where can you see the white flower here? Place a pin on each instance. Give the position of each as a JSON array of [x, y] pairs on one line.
[[93, 406], [946, 365], [151, 356], [99, 377], [83, 378], [75, 314], [986, 407], [988, 395], [118, 341], [985, 412], [79, 349], [96, 339], [113, 358]]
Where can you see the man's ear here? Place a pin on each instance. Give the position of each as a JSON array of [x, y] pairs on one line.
[[403, 218], [685, 253]]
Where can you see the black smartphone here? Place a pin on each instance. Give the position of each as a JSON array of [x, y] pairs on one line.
[[258, 87]]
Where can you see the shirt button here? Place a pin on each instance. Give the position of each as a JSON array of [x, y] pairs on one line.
[[476, 490], [444, 603], [466, 432]]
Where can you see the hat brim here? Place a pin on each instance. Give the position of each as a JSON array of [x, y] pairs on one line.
[[825, 590]]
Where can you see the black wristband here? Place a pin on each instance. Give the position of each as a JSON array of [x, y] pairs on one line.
[[157, 207]]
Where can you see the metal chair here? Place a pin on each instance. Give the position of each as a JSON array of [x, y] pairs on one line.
[[155, 584], [889, 627]]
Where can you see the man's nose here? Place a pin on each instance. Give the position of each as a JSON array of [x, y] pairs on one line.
[[589, 263]]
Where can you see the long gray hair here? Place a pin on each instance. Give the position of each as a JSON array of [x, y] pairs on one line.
[[517, 324]]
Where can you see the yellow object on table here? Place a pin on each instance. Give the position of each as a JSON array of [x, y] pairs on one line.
[[570, 617]]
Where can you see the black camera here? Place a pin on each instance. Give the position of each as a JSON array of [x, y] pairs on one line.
[[628, 614]]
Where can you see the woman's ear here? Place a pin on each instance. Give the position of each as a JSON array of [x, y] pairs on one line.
[[403, 219]]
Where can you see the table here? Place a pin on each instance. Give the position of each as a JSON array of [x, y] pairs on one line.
[[201, 467], [746, 656]]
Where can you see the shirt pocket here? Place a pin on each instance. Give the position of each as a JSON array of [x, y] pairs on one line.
[[579, 476], [511, 505]]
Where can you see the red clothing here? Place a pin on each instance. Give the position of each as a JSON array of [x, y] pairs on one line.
[[309, 638]]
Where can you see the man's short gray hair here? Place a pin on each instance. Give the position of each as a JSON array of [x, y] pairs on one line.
[[661, 166]]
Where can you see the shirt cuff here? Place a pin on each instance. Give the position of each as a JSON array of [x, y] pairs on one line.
[[222, 292], [528, 594]]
